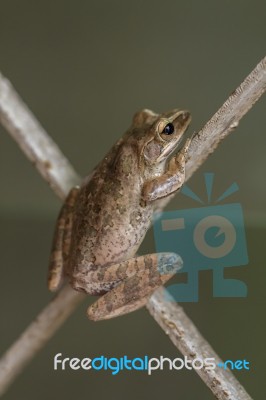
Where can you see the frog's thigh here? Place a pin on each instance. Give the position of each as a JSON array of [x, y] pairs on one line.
[[61, 241], [140, 277]]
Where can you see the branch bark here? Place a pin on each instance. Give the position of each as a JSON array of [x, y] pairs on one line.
[[56, 170], [186, 337], [227, 118], [44, 326], [37, 145]]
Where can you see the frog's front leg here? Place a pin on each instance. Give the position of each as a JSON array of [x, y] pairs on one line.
[[138, 277], [61, 241], [171, 181]]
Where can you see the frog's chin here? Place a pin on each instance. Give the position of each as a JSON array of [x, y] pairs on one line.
[[169, 150]]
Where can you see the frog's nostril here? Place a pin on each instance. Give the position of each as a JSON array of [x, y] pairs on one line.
[[185, 115]]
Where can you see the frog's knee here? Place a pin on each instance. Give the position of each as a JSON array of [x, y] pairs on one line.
[[91, 288]]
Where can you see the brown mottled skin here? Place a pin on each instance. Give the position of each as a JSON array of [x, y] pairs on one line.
[[102, 223]]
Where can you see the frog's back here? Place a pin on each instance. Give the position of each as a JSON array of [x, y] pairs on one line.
[[109, 221]]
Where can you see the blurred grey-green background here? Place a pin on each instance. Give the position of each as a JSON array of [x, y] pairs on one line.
[[84, 68]]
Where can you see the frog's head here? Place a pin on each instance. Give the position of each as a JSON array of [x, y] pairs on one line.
[[161, 134]]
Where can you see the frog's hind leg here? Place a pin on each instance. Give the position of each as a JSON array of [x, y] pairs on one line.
[[61, 241], [139, 276]]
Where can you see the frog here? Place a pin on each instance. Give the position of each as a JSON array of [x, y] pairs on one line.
[[104, 220]]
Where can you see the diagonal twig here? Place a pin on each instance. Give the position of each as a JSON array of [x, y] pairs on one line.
[[54, 167], [186, 337], [37, 145]]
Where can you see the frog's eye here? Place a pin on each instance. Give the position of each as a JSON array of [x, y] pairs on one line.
[[168, 129]]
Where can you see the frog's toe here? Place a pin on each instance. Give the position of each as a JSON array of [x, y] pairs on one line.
[[169, 263]]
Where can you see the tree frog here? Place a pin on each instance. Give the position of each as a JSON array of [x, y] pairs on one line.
[[103, 222]]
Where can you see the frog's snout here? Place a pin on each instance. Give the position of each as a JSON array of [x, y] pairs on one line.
[[184, 117]]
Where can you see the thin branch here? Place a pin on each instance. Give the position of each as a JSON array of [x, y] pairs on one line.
[[37, 145], [227, 118], [43, 152], [185, 336], [37, 334]]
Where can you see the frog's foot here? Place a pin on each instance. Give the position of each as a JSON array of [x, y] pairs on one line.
[[61, 241], [140, 277]]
